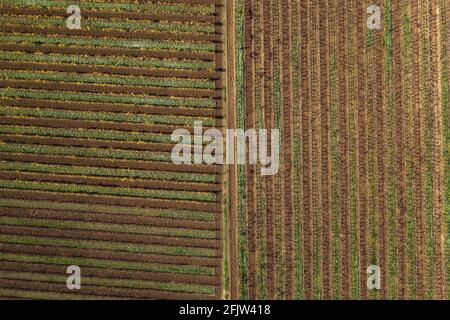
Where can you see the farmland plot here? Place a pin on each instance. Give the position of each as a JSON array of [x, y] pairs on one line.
[[360, 92], [86, 116]]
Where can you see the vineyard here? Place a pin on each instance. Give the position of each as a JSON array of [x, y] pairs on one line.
[[364, 178], [359, 91]]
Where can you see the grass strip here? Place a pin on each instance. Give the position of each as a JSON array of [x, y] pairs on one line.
[[108, 227], [100, 263], [83, 207], [108, 245], [100, 190]]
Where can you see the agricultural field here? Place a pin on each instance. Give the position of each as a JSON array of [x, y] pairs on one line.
[[364, 179], [86, 176], [358, 89]]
